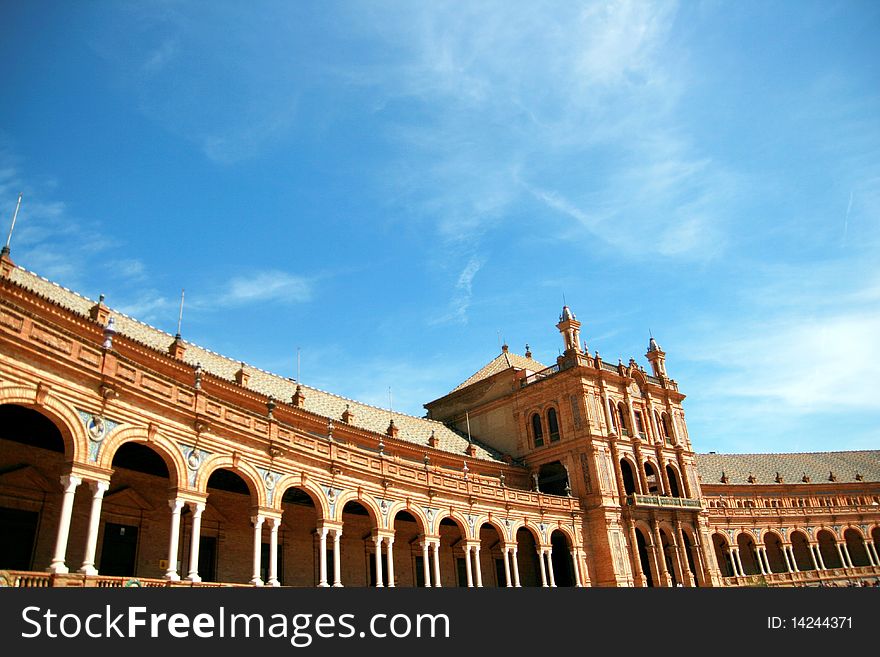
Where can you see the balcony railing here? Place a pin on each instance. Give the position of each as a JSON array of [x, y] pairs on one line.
[[832, 576], [658, 501], [22, 579], [538, 376]]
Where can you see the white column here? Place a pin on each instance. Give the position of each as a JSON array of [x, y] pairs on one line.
[[549, 554], [737, 564], [258, 544], [197, 509], [819, 557], [543, 568], [478, 567], [69, 482], [467, 565], [389, 541], [273, 551], [507, 581], [322, 558], [845, 549], [872, 554], [761, 554], [378, 543], [426, 563], [812, 556], [437, 583], [577, 569], [337, 558], [840, 554], [98, 490], [176, 505], [516, 569]]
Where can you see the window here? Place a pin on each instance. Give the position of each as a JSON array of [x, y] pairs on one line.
[[553, 425], [537, 430], [621, 418], [640, 426]]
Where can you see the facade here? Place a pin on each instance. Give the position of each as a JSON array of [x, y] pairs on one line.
[[129, 456]]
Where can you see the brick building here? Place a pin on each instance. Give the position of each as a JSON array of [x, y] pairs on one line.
[[128, 455]]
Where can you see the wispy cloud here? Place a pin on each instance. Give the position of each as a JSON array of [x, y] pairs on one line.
[[461, 300], [266, 286]]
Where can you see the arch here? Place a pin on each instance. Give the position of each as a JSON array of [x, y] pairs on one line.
[[855, 546], [527, 545], [414, 511], [827, 541], [553, 478], [561, 558], [628, 473], [368, 503], [774, 549], [532, 527], [748, 553], [675, 483], [569, 534], [621, 419], [800, 546], [722, 554], [642, 547], [246, 471], [164, 447], [459, 520], [552, 424], [318, 497], [652, 477], [497, 526], [537, 430], [64, 417]]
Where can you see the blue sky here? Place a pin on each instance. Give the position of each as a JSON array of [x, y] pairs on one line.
[[390, 186]]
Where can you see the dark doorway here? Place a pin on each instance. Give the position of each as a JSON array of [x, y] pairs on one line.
[[643, 558], [500, 574], [560, 560], [208, 558], [553, 479], [629, 481], [24, 425], [372, 557], [461, 568], [19, 532], [119, 550]]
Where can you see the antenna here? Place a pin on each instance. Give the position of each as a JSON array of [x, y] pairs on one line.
[[390, 403], [468, 420], [297, 364], [5, 250], [180, 314], [563, 299]]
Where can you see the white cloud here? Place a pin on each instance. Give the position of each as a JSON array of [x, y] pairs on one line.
[[461, 300], [266, 286]]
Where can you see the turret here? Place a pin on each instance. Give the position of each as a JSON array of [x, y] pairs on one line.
[[570, 329], [657, 357]]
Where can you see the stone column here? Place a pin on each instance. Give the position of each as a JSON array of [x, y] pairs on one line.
[[662, 475], [661, 557], [575, 560], [257, 521], [378, 556], [337, 558], [322, 557], [426, 561], [516, 568], [734, 559], [176, 506], [549, 554], [840, 553], [274, 523], [543, 569], [69, 482], [761, 554], [845, 549], [467, 565], [872, 552], [436, 545], [478, 568], [640, 469], [98, 490], [817, 557], [507, 581], [639, 575], [608, 419], [389, 541], [197, 510]]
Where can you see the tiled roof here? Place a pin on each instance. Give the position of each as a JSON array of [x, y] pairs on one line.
[[371, 418], [505, 360], [818, 466]]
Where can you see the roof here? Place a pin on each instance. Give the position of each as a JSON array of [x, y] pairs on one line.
[[370, 418], [817, 466], [504, 361]]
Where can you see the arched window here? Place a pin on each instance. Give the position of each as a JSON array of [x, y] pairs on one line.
[[613, 415], [640, 425], [537, 430], [553, 425], [664, 427], [621, 418]]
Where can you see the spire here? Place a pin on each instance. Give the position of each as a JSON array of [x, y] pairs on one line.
[[570, 329], [657, 357]]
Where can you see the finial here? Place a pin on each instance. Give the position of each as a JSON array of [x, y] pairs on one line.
[[101, 298], [109, 332], [427, 461], [270, 406], [832, 476], [330, 429], [806, 478], [180, 315], [198, 376], [528, 351], [752, 478], [465, 470], [724, 478], [501, 479], [5, 250], [778, 479]]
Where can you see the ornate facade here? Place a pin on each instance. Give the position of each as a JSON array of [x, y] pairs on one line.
[[128, 455]]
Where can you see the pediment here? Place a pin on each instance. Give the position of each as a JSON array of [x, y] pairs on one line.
[[28, 477], [127, 497]]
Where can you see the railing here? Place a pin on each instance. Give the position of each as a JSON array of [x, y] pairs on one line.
[[538, 376], [805, 577], [26, 579], [662, 502]]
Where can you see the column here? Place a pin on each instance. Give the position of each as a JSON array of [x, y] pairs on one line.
[[176, 505], [661, 557], [337, 558], [98, 490], [872, 552], [389, 541], [274, 523], [69, 482], [516, 568], [467, 565], [685, 480], [794, 565], [197, 509], [640, 469], [840, 553], [575, 560], [507, 581], [638, 574], [257, 520], [426, 561], [761, 554], [817, 557], [478, 569], [322, 557], [845, 549], [436, 545], [549, 554], [734, 559], [608, 419], [788, 559], [543, 568], [378, 543], [662, 475]]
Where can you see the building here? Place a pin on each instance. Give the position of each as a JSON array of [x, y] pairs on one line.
[[130, 456]]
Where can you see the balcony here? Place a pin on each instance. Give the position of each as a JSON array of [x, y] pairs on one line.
[[660, 502]]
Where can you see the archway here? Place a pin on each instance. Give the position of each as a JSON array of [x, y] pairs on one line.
[[553, 479], [492, 557], [653, 479], [801, 548], [453, 567], [774, 550], [748, 554], [229, 542], [674, 481], [828, 549], [298, 543], [722, 555], [32, 460], [629, 480], [358, 549], [668, 552], [855, 546], [642, 543], [409, 566], [527, 558], [689, 555], [561, 559]]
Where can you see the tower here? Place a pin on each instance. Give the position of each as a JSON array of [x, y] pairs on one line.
[[657, 357], [570, 329]]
